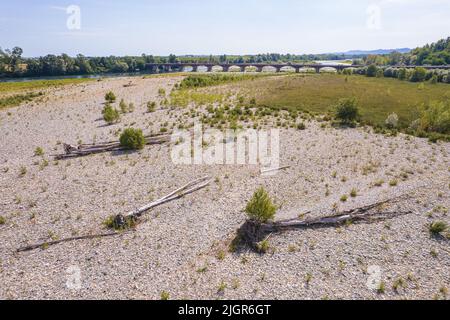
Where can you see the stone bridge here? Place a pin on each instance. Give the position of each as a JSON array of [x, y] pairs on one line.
[[258, 67]]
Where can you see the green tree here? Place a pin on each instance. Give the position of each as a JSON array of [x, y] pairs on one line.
[[132, 139], [347, 111], [372, 71], [418, 75], [260, 208], [110, 115]]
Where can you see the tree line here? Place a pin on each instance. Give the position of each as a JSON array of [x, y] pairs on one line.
[[13, 64]]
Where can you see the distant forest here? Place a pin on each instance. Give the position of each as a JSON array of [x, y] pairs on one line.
[[13, 64]]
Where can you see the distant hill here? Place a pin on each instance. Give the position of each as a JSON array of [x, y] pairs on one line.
[[377, 52]]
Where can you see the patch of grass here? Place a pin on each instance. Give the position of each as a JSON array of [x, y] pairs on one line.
[[377, 97], [208, 80], [7, 87], [344, 198], [151, 106], [38, 152], [437, 227], [2, 220], [222, 287], [22, 171], [354, 193], [111, 223], [381, 288], [393, 183], [263, 246], [165, 295], [18, 99]]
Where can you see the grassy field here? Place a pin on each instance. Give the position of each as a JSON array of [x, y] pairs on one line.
[[9, 87], [377, 97]]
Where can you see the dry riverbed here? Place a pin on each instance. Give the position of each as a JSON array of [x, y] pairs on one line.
[[180, 248]]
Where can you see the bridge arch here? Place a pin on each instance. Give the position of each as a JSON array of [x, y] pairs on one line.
[[201, 68], [234, 68], [328, 70], [287, 69], [269, 69], [307, 70], [251, 69], [188, 69], [217, 68]]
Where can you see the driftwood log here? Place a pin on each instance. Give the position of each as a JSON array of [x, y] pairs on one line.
[[121, 221], [253, 232], [88, 149]]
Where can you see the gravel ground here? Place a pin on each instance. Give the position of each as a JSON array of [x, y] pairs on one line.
[[180, 247]]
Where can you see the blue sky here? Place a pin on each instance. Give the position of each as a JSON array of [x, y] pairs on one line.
[[160, 27]]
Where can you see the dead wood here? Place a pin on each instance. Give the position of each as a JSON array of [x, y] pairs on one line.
[[88, 149], [120, 222], [264, 171], [44, 245], [252, 232]]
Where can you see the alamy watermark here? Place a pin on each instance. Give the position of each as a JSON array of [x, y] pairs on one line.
[[73, 278], [74, 19], [375, 277], [374, 17], [228, 147]]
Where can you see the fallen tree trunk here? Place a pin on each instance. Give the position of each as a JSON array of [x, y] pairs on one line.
[[88, 149], [120, 222], [52, 243], [253, 232]]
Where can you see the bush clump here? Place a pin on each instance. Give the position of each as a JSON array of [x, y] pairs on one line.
[[110, 97], [435, 117], [110, 115], [418, 75], [151, 106], [38, 152], [2, 220], [372, 71], [132, 139], [260, 208], [438, 227], [347, 111], [392, 121]]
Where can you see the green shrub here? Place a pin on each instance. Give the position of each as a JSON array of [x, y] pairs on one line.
[[165, 296], [123, 106], [39, 152], [110, 114], [260, 208], [301, 126], [128, 223], [151, 107], [418, 75], [438, 227], [132, 139], [435, 117], [372, 71], [347, 111], [2, 220], [110, 97], [402, 74]]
